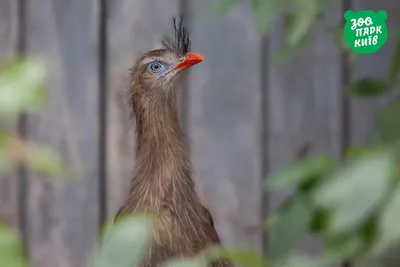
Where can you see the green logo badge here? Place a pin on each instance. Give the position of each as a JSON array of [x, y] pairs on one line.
[[365, 31]]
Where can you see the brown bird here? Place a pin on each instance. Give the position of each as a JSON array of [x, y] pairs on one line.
[[162, 183]]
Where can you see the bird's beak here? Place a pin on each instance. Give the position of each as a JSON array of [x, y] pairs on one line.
[[190, 60]]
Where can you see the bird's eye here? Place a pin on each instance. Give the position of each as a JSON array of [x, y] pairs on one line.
[[155, 67]]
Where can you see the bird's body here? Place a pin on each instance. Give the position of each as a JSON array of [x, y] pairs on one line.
[[162, 183]]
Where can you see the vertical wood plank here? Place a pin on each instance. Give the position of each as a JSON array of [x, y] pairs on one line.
[[374, 65], [134, 27], [63, 216], [9, 24], [225, 120], [9, 29], [304, 104]]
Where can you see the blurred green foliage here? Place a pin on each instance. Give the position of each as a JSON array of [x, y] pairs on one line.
[[298, 18], [124, 243], [21, 84], [11, 252], [352, 206], [21, 90]]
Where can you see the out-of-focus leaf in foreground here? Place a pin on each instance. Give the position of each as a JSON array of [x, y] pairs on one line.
[[39, 158], [287, 51], [244, 257], [355, 152], [5, 162], [221, 7], [265, 13], [395, 64], [369, 87], [387, 122], [44, 159], [304, 15], [125, 243], [300, 172], [283, 233], [186, 262], [388, 223], [11, 252], [21, 86], [356, 190], [299, 260]]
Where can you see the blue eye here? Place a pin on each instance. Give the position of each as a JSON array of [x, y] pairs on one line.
[[155, 67]]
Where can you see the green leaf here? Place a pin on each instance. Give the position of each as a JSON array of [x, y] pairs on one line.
[[125, 243], [320, 220], [369, 87], [301, 172], [5, 162], [387, 122], [325, 258], [11, 250], [244, 257], [388, 224], [186, 262], [395, 65], [287, 52], [356, 152], [300, 260], [44, 159], [265, 13], [356, 190], [304, 15], [332, 256], [221, 7], [368, 263], [21, 86], [283, 233], [341, 247]]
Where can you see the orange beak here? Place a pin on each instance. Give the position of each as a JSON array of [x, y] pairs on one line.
[[190, 60]]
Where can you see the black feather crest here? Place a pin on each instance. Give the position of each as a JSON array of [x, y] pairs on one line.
[[181, 43]]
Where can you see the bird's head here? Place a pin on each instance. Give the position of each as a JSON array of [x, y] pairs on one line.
[[157, 74]]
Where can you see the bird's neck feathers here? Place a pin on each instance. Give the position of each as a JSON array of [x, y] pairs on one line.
[[162, 160]]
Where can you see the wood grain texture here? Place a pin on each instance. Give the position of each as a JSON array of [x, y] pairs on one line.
[[9, 29], [225, 120], [9, 22], [363, 111], [304, 104], [134, 27], [63, 216]]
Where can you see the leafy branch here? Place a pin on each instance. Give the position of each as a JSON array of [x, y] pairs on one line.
[[21, 90]]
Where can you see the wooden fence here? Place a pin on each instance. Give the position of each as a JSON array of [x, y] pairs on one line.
[[245, 116]]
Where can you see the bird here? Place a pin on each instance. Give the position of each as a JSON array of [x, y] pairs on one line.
[[162, 182]]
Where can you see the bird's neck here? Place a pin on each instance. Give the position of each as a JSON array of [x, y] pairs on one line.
[[162, 158]]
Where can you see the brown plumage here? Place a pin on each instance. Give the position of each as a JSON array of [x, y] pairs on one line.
[[162, 183]]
